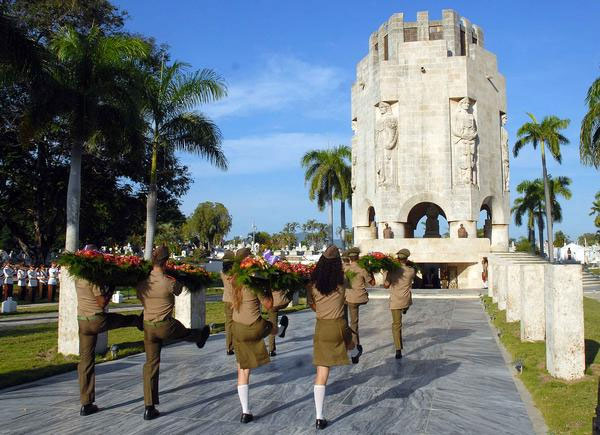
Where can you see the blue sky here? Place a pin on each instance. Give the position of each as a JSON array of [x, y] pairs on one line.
[[289, 67]]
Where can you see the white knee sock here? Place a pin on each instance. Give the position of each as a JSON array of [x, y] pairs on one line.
[[243, 393], [319, 392]]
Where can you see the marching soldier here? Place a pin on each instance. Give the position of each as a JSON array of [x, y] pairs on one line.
[[93, 319], [249, 330], [280, 301], [326, 297], [22, 281], [32, 283], [228, 259], [8, 281], [356, 294], [400, 282], [52, 281], [157, 294]]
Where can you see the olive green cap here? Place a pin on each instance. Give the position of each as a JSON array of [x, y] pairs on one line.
[[242, 253], [228, 257], [353, 252], [403, 253]]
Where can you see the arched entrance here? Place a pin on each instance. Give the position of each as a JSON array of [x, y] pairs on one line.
[[424, 221], [484, 222]]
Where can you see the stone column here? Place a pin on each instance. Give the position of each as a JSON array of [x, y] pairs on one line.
[[499, 238], [533, 314], [501, 280], [491, 264], [68, 328], [361, 233], [190, 308], [399, 229], [513, 292], [565, 347]]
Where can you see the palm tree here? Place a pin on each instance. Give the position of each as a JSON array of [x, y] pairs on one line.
[[100, 102], [595, 210], [545, 133], [527, 205], [170, 98], [343, 193], [589, 148], [327, 171]]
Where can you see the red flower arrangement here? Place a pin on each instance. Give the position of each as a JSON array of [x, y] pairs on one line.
[[378, 261], [192, 277]]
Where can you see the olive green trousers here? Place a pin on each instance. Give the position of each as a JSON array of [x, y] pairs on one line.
[[397, 328]]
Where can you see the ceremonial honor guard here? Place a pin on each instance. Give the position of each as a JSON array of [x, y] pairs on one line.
[[280, 301], [157, 294], [22, 281], [400, 282], [333, 338], [42, 276], [356, 294], [7, 289], [52, 281], [249, 330], [32, 283], [93, 320], [228, 259]]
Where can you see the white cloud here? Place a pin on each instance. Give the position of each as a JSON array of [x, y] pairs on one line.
[[284, 83], [264, 153]]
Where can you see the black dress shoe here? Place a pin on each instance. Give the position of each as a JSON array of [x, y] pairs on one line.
[[284, 322], [273, 353], [360, 351], [205, 334], [151, 413], [398, 354], [88, 409], [230, 352], [246, 418], [321, 423]]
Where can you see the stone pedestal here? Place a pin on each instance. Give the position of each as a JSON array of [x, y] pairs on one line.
[[296, 299], [513, 292], [533, 314], [68, 328], [499, 238], [362, 233], [491, 292], [190, 308], [565, 348], [9, 306], [501, 278]]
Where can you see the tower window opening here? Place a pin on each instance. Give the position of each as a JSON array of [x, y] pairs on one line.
[[463, 49], [385, 48], [410, 34], [436, 33], [474, 38]]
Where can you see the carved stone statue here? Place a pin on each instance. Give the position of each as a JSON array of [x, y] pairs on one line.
[[386, 137], [464, 132], [432, 225], [504, 150], [373, 230], [462, 232], [387, 232]]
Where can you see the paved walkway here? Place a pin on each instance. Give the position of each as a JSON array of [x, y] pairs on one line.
[[453, 379]]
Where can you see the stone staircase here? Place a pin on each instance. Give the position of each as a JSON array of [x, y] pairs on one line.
[[591, 282]]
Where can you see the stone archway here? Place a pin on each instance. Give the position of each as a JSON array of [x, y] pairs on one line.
[[484, 223], [432, 212]]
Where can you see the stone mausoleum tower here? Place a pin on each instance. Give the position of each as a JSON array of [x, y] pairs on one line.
[[428, 114]]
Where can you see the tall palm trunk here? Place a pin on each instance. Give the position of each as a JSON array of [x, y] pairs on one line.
[[540, 223], [548, 206], [343, 222], [151, 204], [531, 227], [74, 199], [331, 216]]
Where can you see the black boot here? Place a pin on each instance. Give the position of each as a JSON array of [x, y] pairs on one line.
[[360, 351], [284, 322], [88, 409], [205, 334], [151, 413], [246, 418], [230, 352], [398, 354], [273, 353], [321, 423]]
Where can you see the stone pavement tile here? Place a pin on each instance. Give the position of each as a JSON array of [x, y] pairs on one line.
[[379, 420], [476, 422]]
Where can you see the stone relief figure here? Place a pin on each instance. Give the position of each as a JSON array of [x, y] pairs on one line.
[[353, 170], [462, 232], [464, 132], [386, 137], [432, 224], [387, 232], [505, 153]]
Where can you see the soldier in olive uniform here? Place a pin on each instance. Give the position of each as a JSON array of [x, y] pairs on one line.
[[357, 280], [228, 259], [157, 294], [280, 301], [400, 282], [93, 320]]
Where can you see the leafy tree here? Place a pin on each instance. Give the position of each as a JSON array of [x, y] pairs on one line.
[[209, 224], [595, 210], [561, 239], [528, 205], [315, 233], [327, 172], [262, 238], [523, 245], [548, 132], [588, 238], [589, 148], [170, 236], [171, 94]]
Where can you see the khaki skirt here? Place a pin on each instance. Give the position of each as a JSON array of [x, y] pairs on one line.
[[330, 341], [250, 349]]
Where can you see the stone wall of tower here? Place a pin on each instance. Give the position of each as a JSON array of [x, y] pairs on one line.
[[422, 70]]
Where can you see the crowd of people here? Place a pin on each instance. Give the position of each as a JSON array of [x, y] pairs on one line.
[[337, 288], [29, 283]]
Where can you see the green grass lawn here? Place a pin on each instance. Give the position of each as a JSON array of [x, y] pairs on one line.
[[29, 352], [567, 407]]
